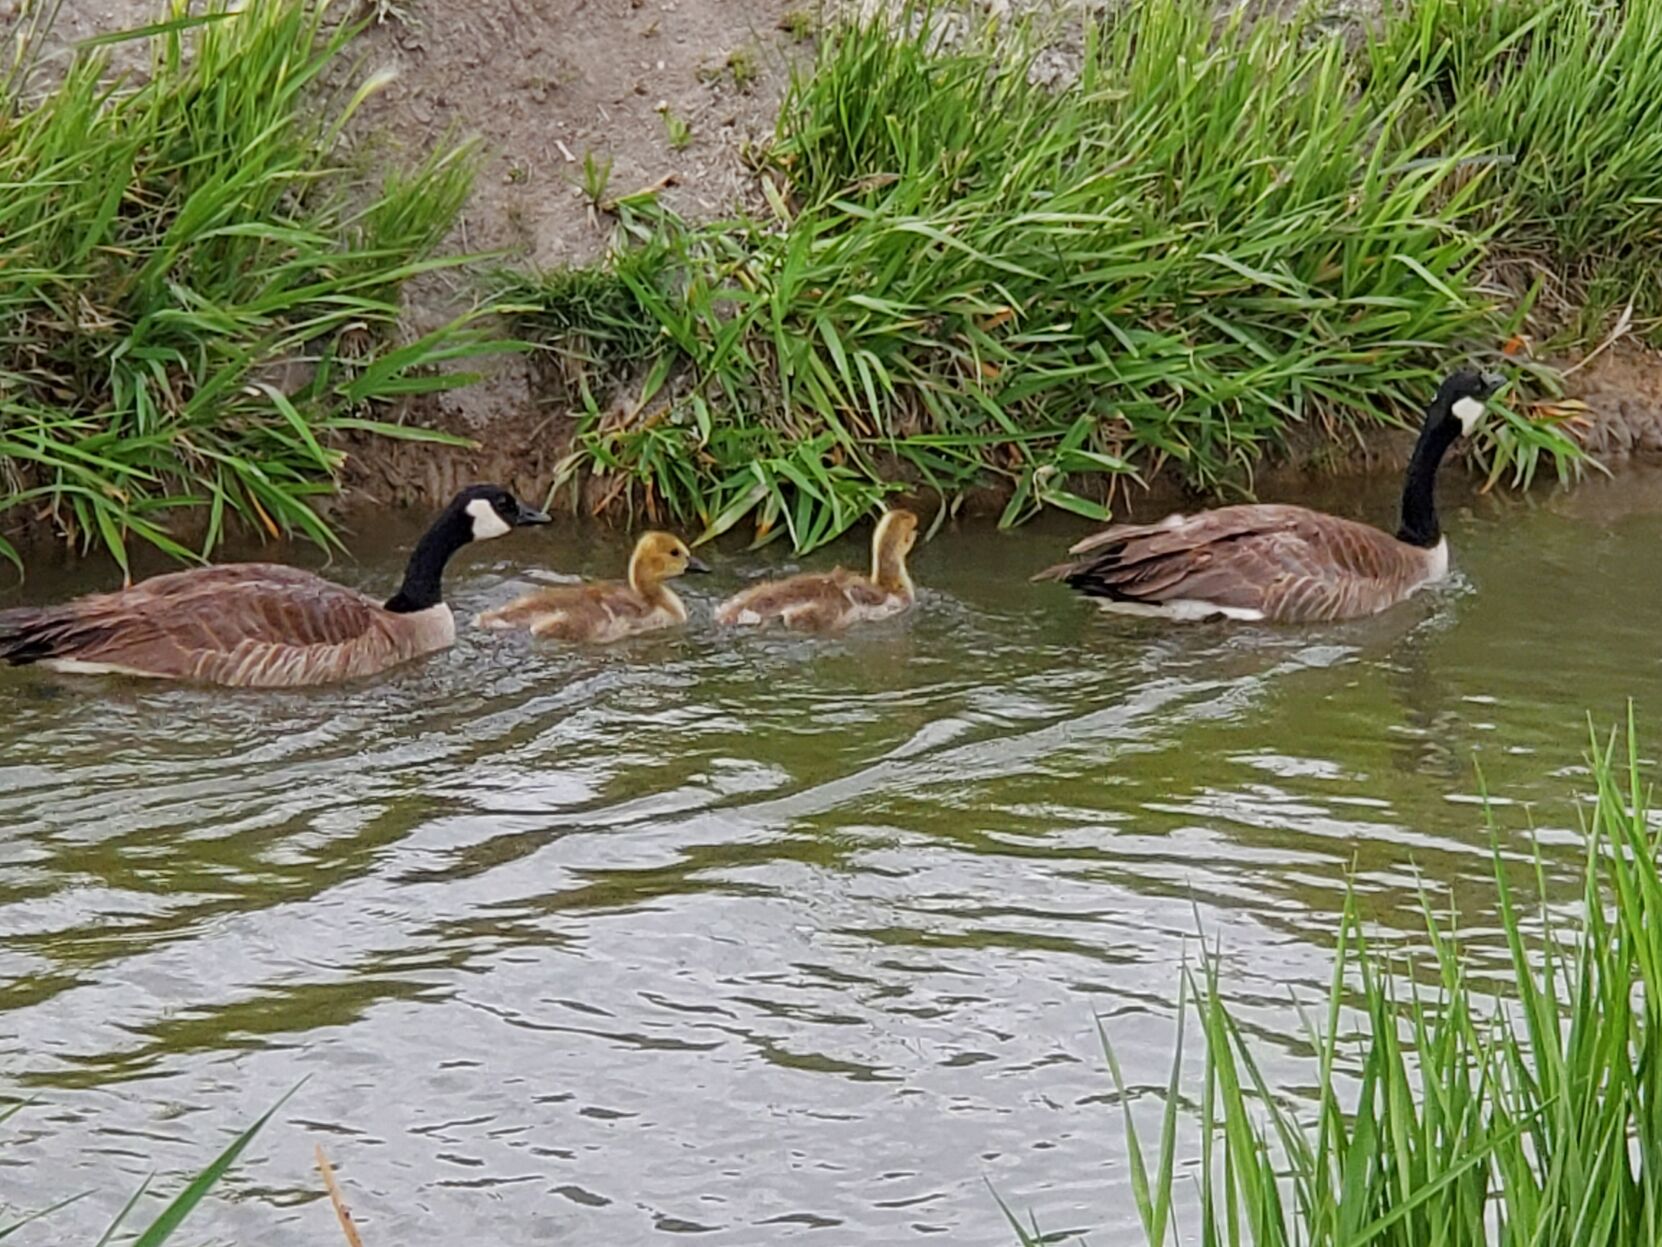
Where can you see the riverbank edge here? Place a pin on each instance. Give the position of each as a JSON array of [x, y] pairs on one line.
[[523, 430]]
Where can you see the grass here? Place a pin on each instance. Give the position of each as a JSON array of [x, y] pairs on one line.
[[167, 1222], [597, 177], [745, 65], [199, 296], [1209, 236], [799, 25], [678, 130], [972, 271], [1526, 1110], [1558, 89]]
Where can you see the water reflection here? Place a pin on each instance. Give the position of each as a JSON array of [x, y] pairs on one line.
[[756, 937]]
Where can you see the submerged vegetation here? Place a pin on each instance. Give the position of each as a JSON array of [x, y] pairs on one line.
[[1450, 1108], [1199, 238], [197, 294]]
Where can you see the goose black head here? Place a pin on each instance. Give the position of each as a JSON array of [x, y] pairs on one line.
[[492, 511], [1464, 395]]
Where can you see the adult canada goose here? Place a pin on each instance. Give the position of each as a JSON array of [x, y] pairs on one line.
[[262, 625], [825, 601], [1284, 563], [607, 610]]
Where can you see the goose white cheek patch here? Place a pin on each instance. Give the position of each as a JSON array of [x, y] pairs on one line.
[[1469, 411], [486, 522]]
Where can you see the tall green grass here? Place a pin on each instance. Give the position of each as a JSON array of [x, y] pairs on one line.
[[1563, 92], [1211, 234], [1449, 1109], [196, 293]]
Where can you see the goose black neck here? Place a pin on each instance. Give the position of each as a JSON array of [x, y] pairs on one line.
[[424, 576], [1419, 499]]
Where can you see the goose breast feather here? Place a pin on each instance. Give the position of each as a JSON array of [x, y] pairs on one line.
[[245, 624], [1258, 561]]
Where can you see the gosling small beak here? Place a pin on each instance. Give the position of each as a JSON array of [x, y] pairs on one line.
[[697, 565], [530, 515]]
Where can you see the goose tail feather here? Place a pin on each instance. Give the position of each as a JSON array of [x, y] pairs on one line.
[[28, 635]]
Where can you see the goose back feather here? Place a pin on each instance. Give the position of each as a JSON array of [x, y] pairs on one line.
[[1250, 562], [252, 625]]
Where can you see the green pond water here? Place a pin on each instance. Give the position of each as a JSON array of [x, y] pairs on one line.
[[758, 939]]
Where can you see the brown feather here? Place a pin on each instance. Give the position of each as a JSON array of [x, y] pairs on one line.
[[813, 601], [605, 610], [245, 624], [1284, 562], [823, 601]]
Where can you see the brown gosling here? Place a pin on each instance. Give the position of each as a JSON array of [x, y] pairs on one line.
[[607, 610], [833, 600]]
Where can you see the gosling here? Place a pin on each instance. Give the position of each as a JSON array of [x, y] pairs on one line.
[[837, 599], [604, 611]]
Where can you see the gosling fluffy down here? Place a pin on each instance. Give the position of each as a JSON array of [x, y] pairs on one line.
[[829, 601], [262, 625], [607, 610]]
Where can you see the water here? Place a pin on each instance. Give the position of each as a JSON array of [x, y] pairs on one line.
[[756, 939]]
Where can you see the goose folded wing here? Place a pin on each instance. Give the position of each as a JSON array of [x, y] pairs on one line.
[[190, 624], [1280, 562]]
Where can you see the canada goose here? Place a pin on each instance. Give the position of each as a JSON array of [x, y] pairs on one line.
[[1284, 563], [262, 625], [607, 610], [824, 601]]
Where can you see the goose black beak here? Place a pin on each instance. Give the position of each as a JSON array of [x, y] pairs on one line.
[[1492, 381], [530, 515], [697, 565]]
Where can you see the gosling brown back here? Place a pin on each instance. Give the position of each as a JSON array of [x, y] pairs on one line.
[[839, 598], [607, 610]]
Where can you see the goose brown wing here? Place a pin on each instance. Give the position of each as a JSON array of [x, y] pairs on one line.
[[1283, 562], [233, 624]]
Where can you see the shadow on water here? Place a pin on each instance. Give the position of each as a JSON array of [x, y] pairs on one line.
[[707, 934]]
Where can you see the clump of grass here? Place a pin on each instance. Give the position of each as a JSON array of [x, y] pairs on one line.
[[197, 296], [1523, 1112], [745, 66], [1201, 242], [678, 130], [1559, 90], [597, 176], [799, 24]]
